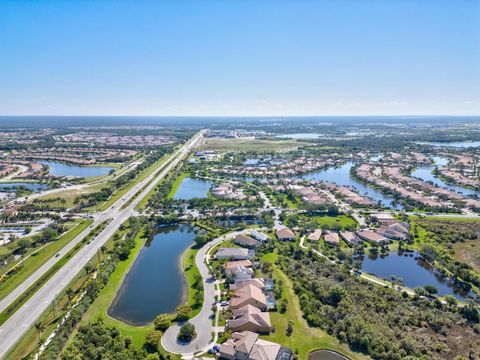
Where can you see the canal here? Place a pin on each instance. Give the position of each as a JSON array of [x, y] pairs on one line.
[[155, 283], [341, 176], [425, 173]]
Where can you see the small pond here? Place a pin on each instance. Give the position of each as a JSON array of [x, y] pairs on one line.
[[414, 271], [10, 187], [341, 176], [64, 169], [192, 188], [325, 355], [155, 283]]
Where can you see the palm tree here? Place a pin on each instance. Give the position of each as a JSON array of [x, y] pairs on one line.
[[39, 326]]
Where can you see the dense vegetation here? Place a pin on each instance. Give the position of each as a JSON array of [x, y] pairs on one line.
[[95, 341], [380, 322], [438, 248], [120, 249]]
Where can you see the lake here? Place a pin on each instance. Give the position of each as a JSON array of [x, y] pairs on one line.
[[305, 136], [414, 271], [35, 187], [155, 283], [64, 169], [192, 188], [341, 176], [425, 173], [459, 144]]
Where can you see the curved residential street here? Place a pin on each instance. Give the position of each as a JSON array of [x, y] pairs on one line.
[[203, 320]]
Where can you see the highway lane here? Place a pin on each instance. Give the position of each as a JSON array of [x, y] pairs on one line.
[[22, 320]]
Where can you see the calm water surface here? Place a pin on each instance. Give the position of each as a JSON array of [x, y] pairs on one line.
[[414, 271], [192, 188], [155, 283], [64, 169], [425, 173], [459, 144], [325, 355], [341, 176], [300, 136], [30, 186]]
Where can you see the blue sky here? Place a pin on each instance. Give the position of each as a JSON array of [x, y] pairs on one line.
[[241, 57]]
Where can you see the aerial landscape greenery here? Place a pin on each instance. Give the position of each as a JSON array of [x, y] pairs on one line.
[[240, 180]]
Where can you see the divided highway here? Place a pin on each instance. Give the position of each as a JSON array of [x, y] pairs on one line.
[[22, 320]]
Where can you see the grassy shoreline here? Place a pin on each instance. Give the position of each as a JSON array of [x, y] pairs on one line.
[[176, 185]]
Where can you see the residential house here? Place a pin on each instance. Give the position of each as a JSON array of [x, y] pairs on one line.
[[315, 235], [250, 318], [246, 345], [249, 294], [372, 237], [233, 264], [234, 254], [261, 283], [332, 239], [259, 236], [349, 237], [240, 273], [285, 234], [246, 241]]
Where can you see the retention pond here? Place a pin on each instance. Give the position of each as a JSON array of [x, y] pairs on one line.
[[413, 270], [155, 283], [64, 169]]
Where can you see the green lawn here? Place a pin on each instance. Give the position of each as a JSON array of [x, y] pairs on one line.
[[30, 265], [28, 293], [176, 185], [304, 338], [99, 308], [190, 269], [342, 220]]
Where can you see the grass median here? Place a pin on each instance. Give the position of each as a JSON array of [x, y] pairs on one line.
[[36, 260], [140, 177], [27, 294]]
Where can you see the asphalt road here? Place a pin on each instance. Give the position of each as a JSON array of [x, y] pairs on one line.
[[22, 320]]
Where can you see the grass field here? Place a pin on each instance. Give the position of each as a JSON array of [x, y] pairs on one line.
[[468, 252], [250, 145], [188, 265], [176, 185], [342, 220], [70, 195], [32, 263], [304, 338]]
